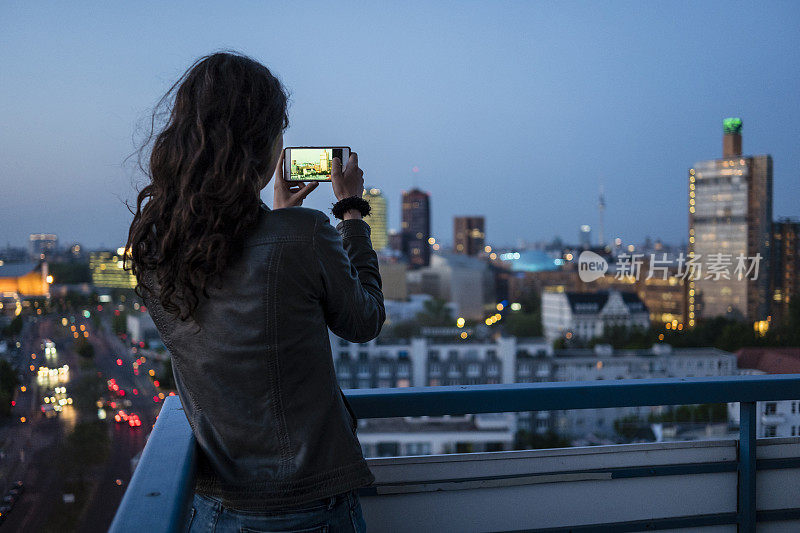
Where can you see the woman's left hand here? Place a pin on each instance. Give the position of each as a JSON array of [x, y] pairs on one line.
[[289, 194]]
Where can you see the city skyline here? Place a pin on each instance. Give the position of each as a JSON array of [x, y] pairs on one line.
[[569, 99]]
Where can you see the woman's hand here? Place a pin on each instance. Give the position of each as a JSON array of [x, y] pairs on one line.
[[289, 194], [351, 183]]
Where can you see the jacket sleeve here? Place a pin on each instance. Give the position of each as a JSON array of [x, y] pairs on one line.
[[352, 298]]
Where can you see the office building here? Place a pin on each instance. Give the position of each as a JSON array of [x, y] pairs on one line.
[[107, 270], [393, 279], [469, 235], [42, 245], [21, 280], [395, 240], [466, 282], [730, 216], [392, 437], [377, 218], [431, 361], [605, 363], [784, 266], [416, 228]]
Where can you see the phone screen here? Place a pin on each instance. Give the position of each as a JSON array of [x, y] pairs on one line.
[[312, 164]]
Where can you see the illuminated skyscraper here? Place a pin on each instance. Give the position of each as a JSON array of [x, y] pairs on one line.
[[377, 218], [324, 161], [784, 266], [468, 235], [730, 213], [416, 227], [107, 271]]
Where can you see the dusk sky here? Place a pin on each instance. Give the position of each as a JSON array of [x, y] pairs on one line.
[[512, 110]]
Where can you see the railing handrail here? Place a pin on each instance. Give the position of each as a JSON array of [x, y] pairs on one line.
[[159, 494], [552, 396]]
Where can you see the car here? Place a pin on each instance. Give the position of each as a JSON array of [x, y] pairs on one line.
[[134, 420], [10, 500]]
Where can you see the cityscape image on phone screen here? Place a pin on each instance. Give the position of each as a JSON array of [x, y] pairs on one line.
[[312, 163]]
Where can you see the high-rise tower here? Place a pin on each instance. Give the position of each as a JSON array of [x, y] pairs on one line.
[[784, 267], [730, 215], [416, 227], [469, 235], [377, 218]]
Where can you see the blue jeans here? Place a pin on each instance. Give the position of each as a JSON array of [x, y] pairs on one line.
[[340, 513]]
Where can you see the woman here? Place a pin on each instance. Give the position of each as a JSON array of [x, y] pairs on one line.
[[243, 296]]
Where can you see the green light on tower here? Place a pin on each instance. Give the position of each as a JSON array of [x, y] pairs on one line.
[[732, 126]]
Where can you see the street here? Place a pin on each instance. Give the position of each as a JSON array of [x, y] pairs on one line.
[[31, 440]]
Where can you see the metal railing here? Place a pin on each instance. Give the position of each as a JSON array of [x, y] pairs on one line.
[[158, 497]]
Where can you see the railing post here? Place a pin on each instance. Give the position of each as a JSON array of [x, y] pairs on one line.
[[747, 467]]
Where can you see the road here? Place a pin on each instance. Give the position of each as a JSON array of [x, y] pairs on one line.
[[126, 441], [30, 446]]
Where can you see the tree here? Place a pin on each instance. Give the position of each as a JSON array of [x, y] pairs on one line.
[[86, 446], [87, 390], [435, 313], [627, 427], [404, 330], [526, 440], [70, 272], [119, 324], [166, 378], [84, 348], [14, 328], [8, 385], [521, 324]]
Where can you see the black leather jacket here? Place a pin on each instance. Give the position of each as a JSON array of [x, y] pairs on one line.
[[257, 381]]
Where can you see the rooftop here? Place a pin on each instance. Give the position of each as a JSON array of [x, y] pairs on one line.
[[770, 360], [15, 270]]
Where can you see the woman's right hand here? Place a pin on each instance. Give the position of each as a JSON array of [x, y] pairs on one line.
[[351, 183]]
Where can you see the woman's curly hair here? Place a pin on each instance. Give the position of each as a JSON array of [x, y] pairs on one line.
[[206, 169]]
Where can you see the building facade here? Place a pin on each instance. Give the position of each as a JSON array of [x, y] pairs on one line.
[[586, 315], [42, 245], [784, 266], [377, 219], [107, 270], [420, 362], [416, 228], [773, 419], [24, 280], [465, 281], [730, 216], [469, 235], [604, 363]]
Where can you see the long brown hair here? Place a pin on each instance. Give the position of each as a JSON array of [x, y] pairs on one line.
[[206, 168]]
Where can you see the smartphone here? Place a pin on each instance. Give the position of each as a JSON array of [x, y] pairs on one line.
[[312, 163]]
